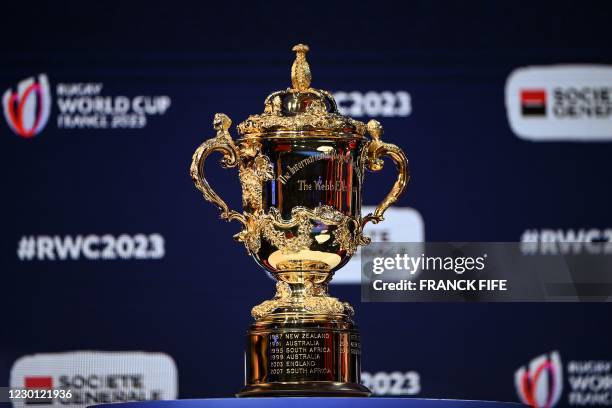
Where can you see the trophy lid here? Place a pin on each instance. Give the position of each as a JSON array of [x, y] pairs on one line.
[[301, 108]]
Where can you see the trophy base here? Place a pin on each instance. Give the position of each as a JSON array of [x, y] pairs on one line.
[[301, 355], [305, 389]]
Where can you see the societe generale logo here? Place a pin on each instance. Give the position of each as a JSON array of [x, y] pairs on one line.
[[27, 109], [539, 383], [560, 103], [94, 377]]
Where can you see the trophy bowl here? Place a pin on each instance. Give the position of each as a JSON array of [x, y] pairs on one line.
[[309, 226], [301, 167]]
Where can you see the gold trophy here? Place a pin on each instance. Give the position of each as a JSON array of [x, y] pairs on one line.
[[301, 166]]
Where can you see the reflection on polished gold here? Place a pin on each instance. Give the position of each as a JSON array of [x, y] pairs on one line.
[[301, 166]]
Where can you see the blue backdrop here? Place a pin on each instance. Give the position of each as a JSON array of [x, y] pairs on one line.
[[189, 295]]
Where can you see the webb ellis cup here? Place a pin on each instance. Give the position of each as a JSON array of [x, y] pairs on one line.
[[301, 167]]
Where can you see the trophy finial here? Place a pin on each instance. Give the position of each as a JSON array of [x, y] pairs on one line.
[[301, 107], [300, 71]]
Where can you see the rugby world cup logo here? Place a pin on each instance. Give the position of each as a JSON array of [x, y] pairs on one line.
[[540, 383], [27, 109]]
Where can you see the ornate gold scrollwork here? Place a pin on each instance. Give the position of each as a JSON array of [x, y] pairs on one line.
[[312, 297], [224, 144], [255, 170], [274, 228], [282, 296], [371, 159], [316, 300]]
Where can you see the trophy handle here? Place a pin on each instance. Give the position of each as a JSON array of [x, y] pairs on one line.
[[224, 144], [371, 157]]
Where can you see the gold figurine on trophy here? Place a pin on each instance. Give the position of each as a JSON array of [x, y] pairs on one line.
[[301, 167]]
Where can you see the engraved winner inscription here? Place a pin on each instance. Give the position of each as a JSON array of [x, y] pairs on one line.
[[302, 354]]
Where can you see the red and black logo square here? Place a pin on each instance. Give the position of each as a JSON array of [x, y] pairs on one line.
[[533, 102], [38, 383]]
